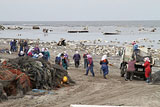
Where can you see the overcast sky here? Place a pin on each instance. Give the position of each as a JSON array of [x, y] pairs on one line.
[[79, 10]]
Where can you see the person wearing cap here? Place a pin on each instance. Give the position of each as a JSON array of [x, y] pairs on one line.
[[104, 65], [130, 69], [90, 65], [147, 67], [76, 58], [21, 53]]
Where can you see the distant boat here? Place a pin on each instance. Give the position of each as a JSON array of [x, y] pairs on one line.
[[78, 31], [110, 33]]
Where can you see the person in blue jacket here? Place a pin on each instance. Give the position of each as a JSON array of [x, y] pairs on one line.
[[76, 58], [104, 65]]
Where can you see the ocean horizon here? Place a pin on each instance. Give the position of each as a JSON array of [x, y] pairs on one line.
[[138, 23]]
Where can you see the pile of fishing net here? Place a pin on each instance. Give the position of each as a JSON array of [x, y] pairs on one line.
[[21, 74], [155, 78]]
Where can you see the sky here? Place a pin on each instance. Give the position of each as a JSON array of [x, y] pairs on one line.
[[79, 10]]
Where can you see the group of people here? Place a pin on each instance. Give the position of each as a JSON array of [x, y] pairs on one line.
[[131, 69], [13, 45], [62, 60], [35, 52], [131, 65], [88, 64]]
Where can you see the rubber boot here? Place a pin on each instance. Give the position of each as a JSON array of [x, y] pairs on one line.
[[147, 81]]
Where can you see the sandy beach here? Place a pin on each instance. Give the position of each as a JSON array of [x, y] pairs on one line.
[[79, 53], [88, 90]]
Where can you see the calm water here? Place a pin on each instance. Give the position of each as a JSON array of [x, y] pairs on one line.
[[85, 23], [129, 31]]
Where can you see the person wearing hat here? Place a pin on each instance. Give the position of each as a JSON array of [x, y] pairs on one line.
[[147, 67], [21, 53], [90, 65], [46, 55], [76, 58], [64, 62], [58, 59], [130, 69], [104, 65]]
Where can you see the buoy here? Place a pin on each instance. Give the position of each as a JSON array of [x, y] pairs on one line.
[[65, 79]]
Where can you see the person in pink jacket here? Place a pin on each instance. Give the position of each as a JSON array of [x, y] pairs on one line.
[[130, 70]]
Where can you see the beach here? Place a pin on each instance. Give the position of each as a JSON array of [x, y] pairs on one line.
[[88, 90]]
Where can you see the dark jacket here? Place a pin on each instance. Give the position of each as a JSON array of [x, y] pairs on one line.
[[76, 57]]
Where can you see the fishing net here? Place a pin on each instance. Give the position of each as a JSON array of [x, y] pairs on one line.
[[31, 73]]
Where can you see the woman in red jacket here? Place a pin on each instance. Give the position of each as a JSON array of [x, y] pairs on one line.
[[147, 69]]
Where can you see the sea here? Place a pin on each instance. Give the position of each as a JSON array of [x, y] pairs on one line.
[[129, 31]]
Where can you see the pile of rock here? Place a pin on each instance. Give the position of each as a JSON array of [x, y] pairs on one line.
[[2, 27]]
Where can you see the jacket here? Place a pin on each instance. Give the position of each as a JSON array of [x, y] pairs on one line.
[[131, 66], [76, 57], [147, 66]]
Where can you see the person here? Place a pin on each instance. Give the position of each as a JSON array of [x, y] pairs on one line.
[[130, 69], [135, 47], [66, 57], [40, 55], [43, 51], [21, 44], [35, 56], [36, 50], [11, 45], [133, 43], [30, 52], [90, 65], [62, 42], [76, 58], [21, 53], [58, 59], [25, 43], [147, 67], [46, 54], [26, 49], [64, 62], [85, 60], [136, 52], [104, 65], [14, 44]]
